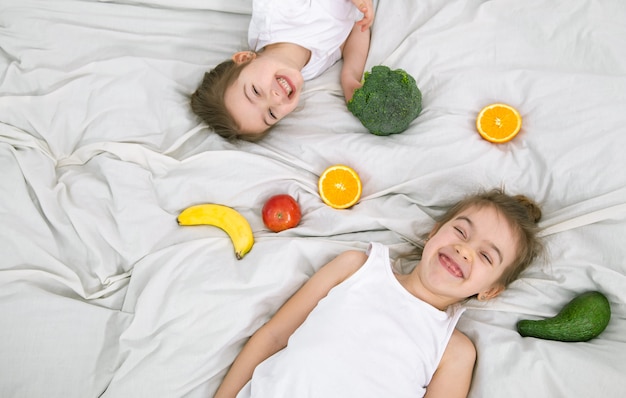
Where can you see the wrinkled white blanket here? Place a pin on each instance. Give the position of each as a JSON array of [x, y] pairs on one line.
[[103, 294]]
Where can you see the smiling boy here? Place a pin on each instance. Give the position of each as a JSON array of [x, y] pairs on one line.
[[291, 42]]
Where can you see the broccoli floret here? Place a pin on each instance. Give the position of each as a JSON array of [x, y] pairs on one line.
[[387, 102]]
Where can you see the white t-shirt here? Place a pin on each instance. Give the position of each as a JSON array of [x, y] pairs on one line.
[[369, 337], [320, 26]]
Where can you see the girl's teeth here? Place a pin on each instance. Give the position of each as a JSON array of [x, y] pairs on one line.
[[285, 85]]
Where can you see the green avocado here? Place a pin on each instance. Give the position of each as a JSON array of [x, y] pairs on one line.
[[582, 319]]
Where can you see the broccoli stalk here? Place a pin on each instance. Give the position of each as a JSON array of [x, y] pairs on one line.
[[387, 102]]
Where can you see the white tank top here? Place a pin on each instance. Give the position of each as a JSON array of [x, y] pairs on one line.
[[369, 337], [320, 26]]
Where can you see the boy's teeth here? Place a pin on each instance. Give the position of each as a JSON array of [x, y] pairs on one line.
[[285, 85]]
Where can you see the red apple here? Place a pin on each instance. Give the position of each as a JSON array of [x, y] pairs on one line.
[[281, 212]]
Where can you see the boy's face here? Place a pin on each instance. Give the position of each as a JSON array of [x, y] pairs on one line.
[[469, 254], [265, 91]]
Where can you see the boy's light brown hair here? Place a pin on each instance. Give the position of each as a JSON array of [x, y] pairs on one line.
[[208, 102]]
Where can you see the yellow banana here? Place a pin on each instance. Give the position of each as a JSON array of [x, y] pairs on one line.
[[224, 217]]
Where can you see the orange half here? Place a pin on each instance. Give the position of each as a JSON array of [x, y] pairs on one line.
[[339, 186], [498, 123]]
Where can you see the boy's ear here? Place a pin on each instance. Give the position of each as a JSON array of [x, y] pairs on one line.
[[242, 57], [490, 293]]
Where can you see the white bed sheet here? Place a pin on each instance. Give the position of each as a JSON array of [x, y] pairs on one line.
[[103, 294]]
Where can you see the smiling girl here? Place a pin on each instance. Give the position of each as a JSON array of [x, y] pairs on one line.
[[292, 41], [356, 328]]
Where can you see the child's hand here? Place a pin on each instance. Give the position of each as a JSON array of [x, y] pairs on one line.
[[366, 7]]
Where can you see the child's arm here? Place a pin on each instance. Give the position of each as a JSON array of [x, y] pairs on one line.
[[454, 373], [355, 51], [273, 336]]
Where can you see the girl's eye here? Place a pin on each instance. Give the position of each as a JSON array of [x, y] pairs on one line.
[[487, 258], [254, 90], [272, 114], [460, 231]]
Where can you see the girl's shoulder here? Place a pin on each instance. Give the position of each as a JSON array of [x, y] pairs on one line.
[[351, 261], [461, 348], [454, 373]]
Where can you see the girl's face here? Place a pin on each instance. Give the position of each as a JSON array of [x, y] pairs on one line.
[[266, 91], [468, 255]]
